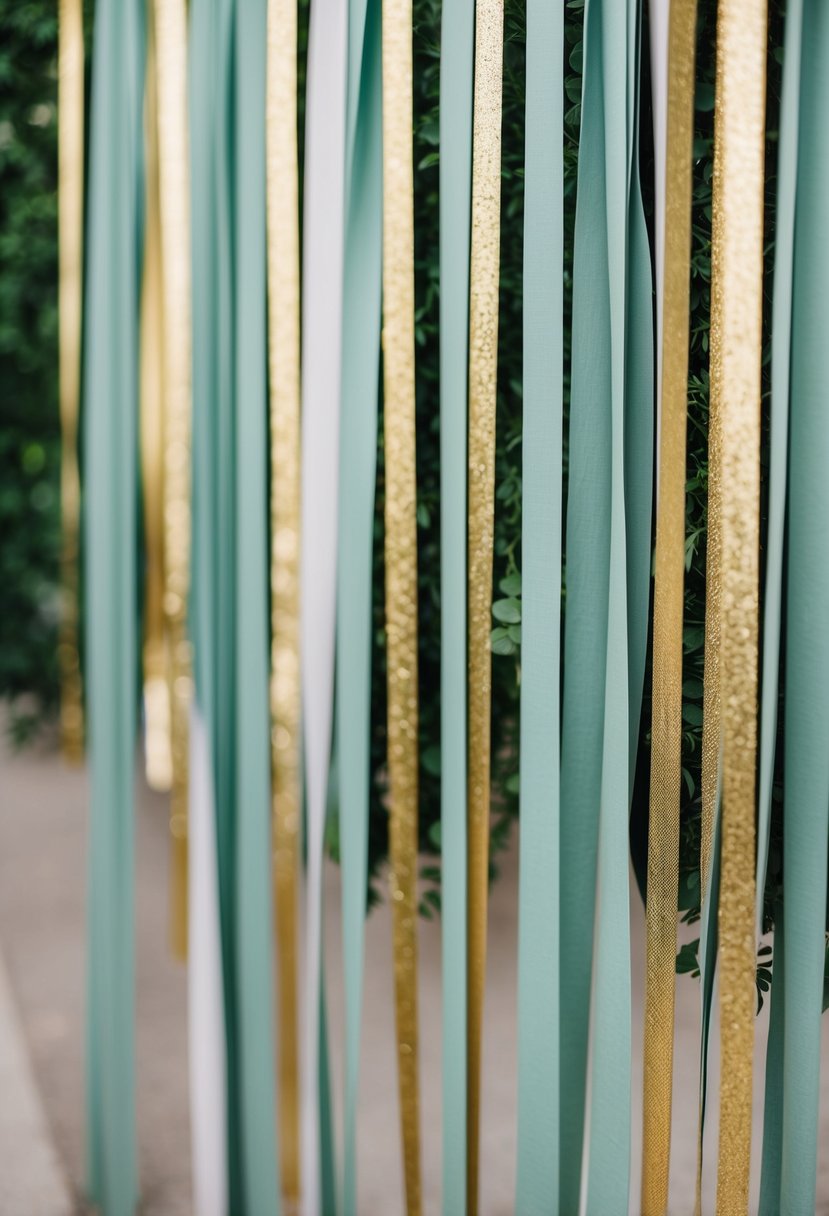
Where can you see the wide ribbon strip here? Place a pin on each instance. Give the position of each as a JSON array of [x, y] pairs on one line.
[[322, 306], [483, 365], [666, 730], [538, 944], [110, 452], [70, 312], [401, 561], [806, 792], [738, 223], [283, 367]]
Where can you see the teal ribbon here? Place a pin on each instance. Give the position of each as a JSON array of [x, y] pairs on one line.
[[456, 89], [773, 1099], [254, 917], [708, 947], [538, 930], [110, 524], [358, 457], [806, 795]]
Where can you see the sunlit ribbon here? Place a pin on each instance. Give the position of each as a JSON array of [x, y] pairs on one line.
[[283, 347], [666, 745], [738, 267], [401, 559], [70, 224], [483, 366]]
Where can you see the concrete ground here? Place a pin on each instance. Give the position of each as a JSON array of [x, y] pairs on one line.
[[42, 874]]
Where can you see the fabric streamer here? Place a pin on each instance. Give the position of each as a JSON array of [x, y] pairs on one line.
[[659, 17], [401, 561], [538, 945], [70, 313], [773, 1095], [456, 89], [357, 474], [321, 362], [254, 915], [110, 456], [738, 220], [283, 365], [483, 365], [806, 792], [666, 731]]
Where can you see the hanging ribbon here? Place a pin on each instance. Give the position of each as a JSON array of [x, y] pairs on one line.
[[666, 736], [456, 88], [401, 560], [70, 310], [483, 366], [538, 945], [659, 12], [738, 222], [283, 366]]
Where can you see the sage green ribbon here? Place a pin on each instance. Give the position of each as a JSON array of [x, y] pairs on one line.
[[254, 918], [538, 929], [773, 1097], [358, 456], [806, 795], [110, 452], [456, 66]]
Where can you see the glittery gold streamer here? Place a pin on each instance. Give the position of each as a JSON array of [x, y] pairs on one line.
[[483, 367], [70, 224], [284, 377], [170, 29], [401, 559], [666, 750], [738, 225]]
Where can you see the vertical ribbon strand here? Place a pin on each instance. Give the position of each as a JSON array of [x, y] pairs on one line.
[[401, 558], [666, 746]]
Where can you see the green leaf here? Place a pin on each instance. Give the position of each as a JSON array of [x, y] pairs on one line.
[[508, 611]]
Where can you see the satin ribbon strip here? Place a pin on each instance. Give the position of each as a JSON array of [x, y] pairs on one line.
[[283, 364], [483, 366], [666, 733], [110, 461], [659, 12], [738, 221], [70, 311], [322, 319], [538, 945], [456, 88], [401, 561], [806, 782]]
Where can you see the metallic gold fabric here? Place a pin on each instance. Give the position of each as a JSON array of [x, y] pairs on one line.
[[70, 224], [666, 747], [401, 559], [738, 225], [284, 377], [170, 29], [483, 367]]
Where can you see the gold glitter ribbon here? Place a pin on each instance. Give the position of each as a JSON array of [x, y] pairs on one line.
[[738, 269], [483, 368], [666, 748], [284, 381], [401, 559], [170, 29], [70, 227]]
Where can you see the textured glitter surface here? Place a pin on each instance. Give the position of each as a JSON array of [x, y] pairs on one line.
[[284, 362], [738, 225], [401, 560], [174, 188], [70, 225], [666, 748], [483, 366]]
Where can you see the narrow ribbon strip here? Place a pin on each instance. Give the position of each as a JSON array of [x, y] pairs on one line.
[[659, 13], [283, 364], [70, 311], [483, 366], [538, 943], [174, 197], [666, 733], [738, 223], [401, 560], [456, 88]]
